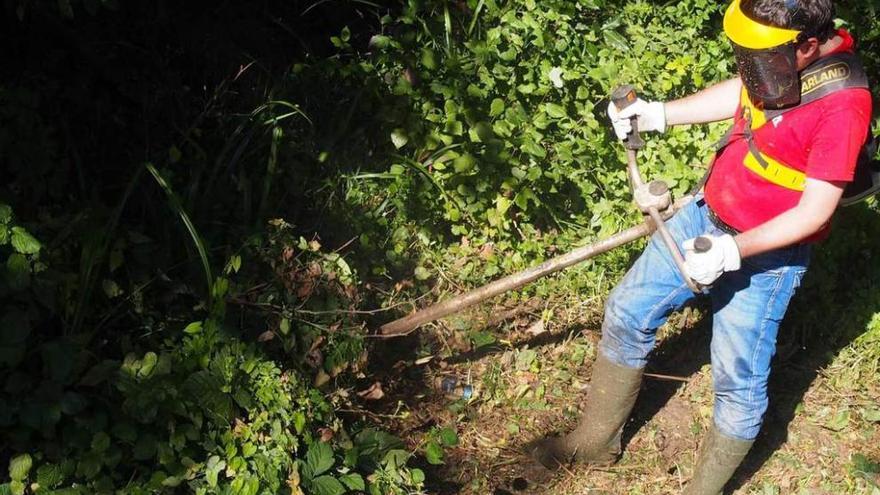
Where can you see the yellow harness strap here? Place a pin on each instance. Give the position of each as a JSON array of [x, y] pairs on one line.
[[768, 168]]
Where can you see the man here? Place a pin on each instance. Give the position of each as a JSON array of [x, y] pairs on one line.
[[801, 111]]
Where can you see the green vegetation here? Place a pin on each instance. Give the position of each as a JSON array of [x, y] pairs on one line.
[[206, 210]]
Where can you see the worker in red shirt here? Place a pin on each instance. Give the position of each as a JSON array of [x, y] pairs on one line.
[[801, 112]]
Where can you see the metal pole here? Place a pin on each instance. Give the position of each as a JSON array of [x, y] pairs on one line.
[[407, 324]]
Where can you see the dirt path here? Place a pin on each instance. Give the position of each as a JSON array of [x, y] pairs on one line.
[[532, 380]]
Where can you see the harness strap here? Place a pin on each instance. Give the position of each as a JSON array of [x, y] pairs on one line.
[[826, 76], [768, 168], [822, 78]]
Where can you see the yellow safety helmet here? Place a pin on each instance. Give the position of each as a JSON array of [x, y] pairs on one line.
[[751, 34], [766, 58]]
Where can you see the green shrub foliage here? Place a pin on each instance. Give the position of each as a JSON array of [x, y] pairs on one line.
[[506, 106], [201, 409], [199, 204]]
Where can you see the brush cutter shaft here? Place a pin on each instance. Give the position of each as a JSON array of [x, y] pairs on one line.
[[632, 169], [673, 249], [655, 216], [409, 323], [623, 97]]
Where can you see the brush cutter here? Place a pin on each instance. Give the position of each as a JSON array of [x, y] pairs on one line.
[[654, 200]]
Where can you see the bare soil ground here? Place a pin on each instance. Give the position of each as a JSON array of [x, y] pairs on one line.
[[817, 438]]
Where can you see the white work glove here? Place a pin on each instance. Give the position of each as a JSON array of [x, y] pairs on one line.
[[705, 268], [652, 117]]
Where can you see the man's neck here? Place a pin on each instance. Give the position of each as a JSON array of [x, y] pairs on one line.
[[830, 45]]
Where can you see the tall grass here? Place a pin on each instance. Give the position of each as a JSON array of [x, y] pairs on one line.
[[177, 207]]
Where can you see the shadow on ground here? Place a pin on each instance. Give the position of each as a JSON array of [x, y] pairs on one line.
[[837, 303]]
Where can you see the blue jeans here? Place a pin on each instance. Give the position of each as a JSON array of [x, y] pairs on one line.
[[747, 307]]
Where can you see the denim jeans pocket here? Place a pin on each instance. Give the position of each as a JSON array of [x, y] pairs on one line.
[[781, 261], [776, 261]]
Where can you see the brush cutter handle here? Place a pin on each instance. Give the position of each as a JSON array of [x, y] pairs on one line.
[[622, 97], [671, 245], [702, 244]]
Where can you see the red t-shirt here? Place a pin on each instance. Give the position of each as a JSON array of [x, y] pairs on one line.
[[822, 139]]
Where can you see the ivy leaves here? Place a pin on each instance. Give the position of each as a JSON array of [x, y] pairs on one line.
[[15, 271], [212, 470], [437, 441], [24, 256], [23, 242], [317, 478], [319, 459], [19, 467]]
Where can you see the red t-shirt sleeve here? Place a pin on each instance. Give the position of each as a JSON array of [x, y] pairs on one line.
[[840, 135]]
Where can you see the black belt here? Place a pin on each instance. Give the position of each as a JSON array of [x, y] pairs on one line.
[[718, 222]]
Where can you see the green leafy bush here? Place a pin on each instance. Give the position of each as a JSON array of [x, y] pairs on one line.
[[202, 409], [496, 125], [19, 260], [432, 142], [508, 121]]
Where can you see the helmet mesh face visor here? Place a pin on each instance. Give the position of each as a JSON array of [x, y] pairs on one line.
[[770, 75]]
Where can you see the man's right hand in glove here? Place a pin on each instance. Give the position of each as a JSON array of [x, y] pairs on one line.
[[651, 115], [718, 102]]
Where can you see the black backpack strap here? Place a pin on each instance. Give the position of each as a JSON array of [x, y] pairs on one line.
[[866, 181], [720, 145], [825, 76], [725, 140]]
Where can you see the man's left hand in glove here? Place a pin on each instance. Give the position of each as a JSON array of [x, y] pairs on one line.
[[704, 268]]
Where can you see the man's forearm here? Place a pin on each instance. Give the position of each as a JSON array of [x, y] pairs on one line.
[[718, 102], [815, 209], [785, 230]]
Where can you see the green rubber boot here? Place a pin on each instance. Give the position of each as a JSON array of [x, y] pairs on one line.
[[719, 458], [596, 440]]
